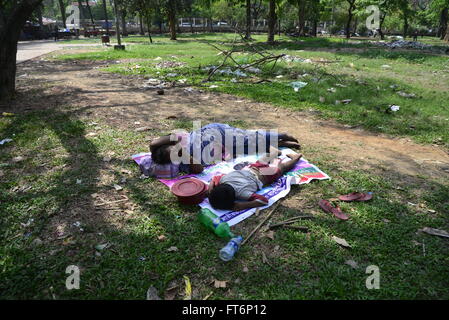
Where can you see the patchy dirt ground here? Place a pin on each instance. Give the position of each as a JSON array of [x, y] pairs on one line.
[[121, 101]]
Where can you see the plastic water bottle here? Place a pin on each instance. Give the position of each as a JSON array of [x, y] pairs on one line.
[[228, 252], [214, 223]]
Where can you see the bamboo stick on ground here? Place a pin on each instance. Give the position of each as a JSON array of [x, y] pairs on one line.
[[260, 224]]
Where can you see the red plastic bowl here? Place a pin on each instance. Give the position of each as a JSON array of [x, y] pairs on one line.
[[189, 190]]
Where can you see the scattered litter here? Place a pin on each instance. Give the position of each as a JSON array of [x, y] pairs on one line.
[[436, 232], [79, 181], [402, 44], [346, 101], [385, 66], [142, 258], [5, 141], [107, 159], [352, 263], [28, 223], [78, 225], [394, 108], [18, 159], [158, 58], [152, 294], [279, 76], [253, 70], [340, 85], [341, 242], [169, 64], [220, 284], [406, 95], [172, 75], [153, 81], [103, 246], [182, 81], [296, 85], [322, 99], [141, 129], [245, 269], [161, 237], [172, 249], [189, 89], [188, 290], [213, 86], [289, 58], [333, 90], [118, 187]]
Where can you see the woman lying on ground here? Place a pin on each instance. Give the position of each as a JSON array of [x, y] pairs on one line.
[[207, 145]]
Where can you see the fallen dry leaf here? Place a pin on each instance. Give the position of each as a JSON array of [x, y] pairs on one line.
[[270, 234], [352, 263], [18, 159], [161, 237], [245, 269], [220, 284], [107, 159], [171, 249], [188, 290], [436, 232], [341, 242], [152, 294], [170, 293]]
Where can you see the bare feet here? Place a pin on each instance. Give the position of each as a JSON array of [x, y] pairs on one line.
[[294, 156], [289, 144]]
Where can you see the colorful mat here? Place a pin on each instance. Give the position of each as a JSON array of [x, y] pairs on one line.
[[302, 173]]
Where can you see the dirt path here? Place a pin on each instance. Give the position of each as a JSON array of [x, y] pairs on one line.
[[121, 101], [27, 50]]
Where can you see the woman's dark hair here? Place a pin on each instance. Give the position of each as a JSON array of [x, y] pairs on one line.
[[161, 155], [222, 197]]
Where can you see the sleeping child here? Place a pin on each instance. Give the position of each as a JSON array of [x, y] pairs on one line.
[[225, 190]]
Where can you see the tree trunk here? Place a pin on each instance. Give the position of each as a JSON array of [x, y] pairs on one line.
[[172, 19], [90, 14], [301, 16], [142, 33], [148, 19], [9, 36], [248, 20], [123, 19], [405, 31], [106, 17], [381, 23], [350, 16], [62, 8], [271, 21], [211, 28], [443, 23], [446, 37]]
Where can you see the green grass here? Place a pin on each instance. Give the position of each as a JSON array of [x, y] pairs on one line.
[[359, 67], [58, 151]]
